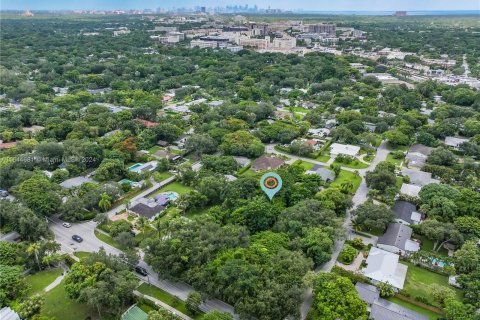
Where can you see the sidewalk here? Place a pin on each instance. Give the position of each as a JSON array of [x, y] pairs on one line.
[[163, 305]]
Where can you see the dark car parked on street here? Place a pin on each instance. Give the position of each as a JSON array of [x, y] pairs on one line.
[[77, 238], [141, 270]]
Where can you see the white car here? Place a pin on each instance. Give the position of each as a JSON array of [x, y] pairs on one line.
[[66, 225]]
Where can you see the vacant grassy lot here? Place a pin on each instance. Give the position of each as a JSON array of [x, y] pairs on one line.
[[59, 306], [165, 297], [42, 279], [347, 176], [108, 240], [419, 280]]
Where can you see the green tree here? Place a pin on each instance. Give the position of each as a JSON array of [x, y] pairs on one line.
[[105, 202], [193, 302], [386, 289], [39, 194], [348, 254], [396, 138], [335, 297], [467, 258], [372, 216], [28, 308]]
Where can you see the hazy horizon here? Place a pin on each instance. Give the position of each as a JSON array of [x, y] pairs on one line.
[[306, 5]]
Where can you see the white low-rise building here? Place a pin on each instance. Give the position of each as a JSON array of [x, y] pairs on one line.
[[345, 149], [383, 266]]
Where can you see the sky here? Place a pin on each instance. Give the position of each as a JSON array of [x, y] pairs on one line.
[[307, 5]]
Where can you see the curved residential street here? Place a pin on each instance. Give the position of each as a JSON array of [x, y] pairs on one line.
[[91, 243], [359, 198]]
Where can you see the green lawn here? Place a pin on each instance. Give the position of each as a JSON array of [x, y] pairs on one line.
[[249, 173], [430, 314], [323, 158], [398, 182], [82, 254], [175, 187], [162, 176], [427, 245], [193, 213], [59, 306], [305, 165], [355, 164], [397, 148], [347, 176], [165, 297], [42, 279], [390, 159], [302, 110], [419, 280], [108, 240], [154, 149]]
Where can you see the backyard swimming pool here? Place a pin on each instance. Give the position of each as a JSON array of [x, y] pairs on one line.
[[437, 262], [133, 167]]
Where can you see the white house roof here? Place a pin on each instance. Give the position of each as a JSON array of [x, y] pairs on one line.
[[347, 149], [410, 189], [383, 266]]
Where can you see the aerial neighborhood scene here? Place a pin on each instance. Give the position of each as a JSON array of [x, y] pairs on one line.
[[216, 160]]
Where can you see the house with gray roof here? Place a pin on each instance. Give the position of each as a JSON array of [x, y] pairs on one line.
[[75, 182], [242, 161], [406, 213], [324, 173], [397, 239], [147, 208], [367, 293], [417, 155], [410, 189], [385, 310], [455, 142], [419, 178], [267, 163], [381, 309]]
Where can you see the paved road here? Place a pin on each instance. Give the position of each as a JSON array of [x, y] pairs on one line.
[[359, 198], [465, 66], [92, 244]]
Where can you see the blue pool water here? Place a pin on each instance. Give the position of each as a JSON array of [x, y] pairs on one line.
[[136, 165], [437, 262]]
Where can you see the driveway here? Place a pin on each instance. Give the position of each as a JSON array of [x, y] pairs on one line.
[[359, 198], [91, 243]]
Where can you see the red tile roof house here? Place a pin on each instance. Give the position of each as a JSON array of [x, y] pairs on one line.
[[267, 163], [147, 123]]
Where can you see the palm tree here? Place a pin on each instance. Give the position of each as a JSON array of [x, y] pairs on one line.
[[346, 186], [142, 225], [34, 249], [105, 202]]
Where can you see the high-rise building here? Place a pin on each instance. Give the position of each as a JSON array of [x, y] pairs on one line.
[[328, 28]]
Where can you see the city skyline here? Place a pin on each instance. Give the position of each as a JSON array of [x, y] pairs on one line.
[[305, 5]]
